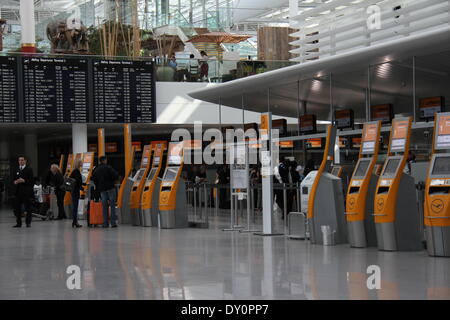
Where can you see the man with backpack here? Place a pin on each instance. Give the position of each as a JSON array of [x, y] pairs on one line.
[[104, 178]]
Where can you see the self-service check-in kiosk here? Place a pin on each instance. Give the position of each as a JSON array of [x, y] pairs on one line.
[[325, 197], [138, 185], [172, 194], [337, 170], [437, 190], [361, 192], [150, 195], [396, 211], [86, 174], [123, 198]]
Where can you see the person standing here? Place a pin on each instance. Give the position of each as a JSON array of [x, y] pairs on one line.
[[78, 186], [24, 183], [104, 178], [55, 179]]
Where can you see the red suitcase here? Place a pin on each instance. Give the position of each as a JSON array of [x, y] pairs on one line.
[[95, 213]]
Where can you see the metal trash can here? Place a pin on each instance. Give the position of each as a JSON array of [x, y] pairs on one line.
[[328, 236]]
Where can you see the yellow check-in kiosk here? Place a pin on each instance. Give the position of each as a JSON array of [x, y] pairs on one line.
[[124, 194], [150, 195], [325, 186], [361, 191], [86, 174], [138, 185], [172, 193], [396, 208], [437, 190]]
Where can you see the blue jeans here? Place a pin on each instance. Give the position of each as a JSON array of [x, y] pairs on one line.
[[111, 196]]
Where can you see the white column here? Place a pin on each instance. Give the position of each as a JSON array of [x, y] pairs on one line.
[[293, 10], [79, 138], [27, 24], [31, 151], [337, 152]]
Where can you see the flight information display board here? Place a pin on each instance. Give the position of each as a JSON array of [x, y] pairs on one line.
[[8, 90], [55, 90], [124, 91]]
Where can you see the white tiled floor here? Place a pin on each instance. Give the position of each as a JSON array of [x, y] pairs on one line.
[[147, 263]]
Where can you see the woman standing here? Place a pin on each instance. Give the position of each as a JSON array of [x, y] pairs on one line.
[[78, 186], [55, 179]]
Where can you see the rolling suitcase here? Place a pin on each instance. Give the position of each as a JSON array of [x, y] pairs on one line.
[[95, 214]]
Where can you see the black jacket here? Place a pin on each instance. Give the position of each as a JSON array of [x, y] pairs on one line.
[[76, 174], [104, 177], [54, 180], [26, 188]]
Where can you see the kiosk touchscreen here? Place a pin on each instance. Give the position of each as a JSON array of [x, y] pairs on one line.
[[319, 185], [138, 186], [396, 209], [437, 191], [337, 171], [172, 194], [150, 196], [361, 191]]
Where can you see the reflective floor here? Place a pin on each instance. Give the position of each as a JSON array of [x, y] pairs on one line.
[[147, 263]]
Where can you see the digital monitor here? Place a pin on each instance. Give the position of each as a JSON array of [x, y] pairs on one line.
[[391, 167], [156, 160], [171, 174], [152, 174], [441, 166], [383, 112], [144, 162], [175, 153], [335, 171], [139, 174], [362, 167], [428, 107], [308, 123], [344, 118]]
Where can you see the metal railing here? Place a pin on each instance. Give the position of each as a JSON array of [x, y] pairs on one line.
[[339, 26], [219, 70]]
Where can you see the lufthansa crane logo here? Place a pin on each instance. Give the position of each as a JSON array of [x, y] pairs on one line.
[[351, 203], [437, 205], [380, 203]]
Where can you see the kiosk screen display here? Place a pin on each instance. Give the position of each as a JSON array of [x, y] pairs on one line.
[[391, 167], [441, 166], [335, 171], [156, 161], [362, 168], [152, 174], [171, 174], [140, 174]]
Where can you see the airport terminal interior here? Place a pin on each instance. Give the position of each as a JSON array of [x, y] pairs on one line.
[[225, 150]]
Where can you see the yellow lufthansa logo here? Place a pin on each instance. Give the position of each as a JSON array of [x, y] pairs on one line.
[[437, 206], [380, 203]]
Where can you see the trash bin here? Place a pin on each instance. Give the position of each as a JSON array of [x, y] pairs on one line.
[[328, 236]]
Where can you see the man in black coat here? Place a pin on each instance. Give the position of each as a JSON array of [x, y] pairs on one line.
[[24, 182], [104, 178]]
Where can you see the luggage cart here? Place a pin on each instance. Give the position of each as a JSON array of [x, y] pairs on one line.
[[42, 209]]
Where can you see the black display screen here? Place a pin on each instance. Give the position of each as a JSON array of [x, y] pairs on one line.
[[124, 91], [55, 90], [152, 174], [391, 167], [139, 174], [362, 168], [441, 166]]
